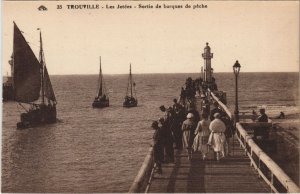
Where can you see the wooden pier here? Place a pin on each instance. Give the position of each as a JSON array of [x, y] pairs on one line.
[[248, 169], [232, 174]]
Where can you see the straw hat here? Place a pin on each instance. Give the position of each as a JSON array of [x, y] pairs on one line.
[[189, 116], [217, 115]]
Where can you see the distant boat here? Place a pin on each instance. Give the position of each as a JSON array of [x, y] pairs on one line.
[[7, 86], [32, 83], [7, 89], [130, 100], [101, 100]]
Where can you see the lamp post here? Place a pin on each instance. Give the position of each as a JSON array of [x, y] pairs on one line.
[[236, 71]]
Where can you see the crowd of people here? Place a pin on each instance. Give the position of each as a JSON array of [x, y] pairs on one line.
[[184, 128]]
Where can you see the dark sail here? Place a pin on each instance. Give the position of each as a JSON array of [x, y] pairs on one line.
[[130, 100], [100, 90], [49, 93], [131, 84], [27, 76], [100, 81]]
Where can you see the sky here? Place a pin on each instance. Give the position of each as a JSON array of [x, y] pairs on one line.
[[263, 36]]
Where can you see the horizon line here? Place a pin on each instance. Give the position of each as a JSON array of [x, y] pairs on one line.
[[182, 73], [173, 73]]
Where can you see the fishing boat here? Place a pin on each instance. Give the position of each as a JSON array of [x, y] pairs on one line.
[[7, 86], [130, 100], [32, 85], [7, 90], [102, 99]]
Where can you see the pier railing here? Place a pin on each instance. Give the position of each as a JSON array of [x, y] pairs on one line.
[[223, 106], [143, 179], [272, 174]]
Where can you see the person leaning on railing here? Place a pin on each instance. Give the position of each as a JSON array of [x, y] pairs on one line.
[[261, 131]]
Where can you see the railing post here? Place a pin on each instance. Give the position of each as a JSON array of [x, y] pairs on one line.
[[258, 163], [251, 154], [272, 179]]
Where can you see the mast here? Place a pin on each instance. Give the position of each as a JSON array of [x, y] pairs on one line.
[[42, 69], [101, 88], [130, 77]]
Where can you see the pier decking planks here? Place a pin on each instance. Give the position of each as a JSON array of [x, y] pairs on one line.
[[232, 174]]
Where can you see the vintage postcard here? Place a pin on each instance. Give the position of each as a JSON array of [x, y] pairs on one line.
[[150, 96]]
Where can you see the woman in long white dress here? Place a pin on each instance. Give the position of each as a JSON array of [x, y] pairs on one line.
[[217, 137], [202, 133]]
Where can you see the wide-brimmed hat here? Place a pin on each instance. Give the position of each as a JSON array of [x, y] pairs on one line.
[[189, 116], [217, 115]]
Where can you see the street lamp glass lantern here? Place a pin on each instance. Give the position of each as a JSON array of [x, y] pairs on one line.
[[236, 68]]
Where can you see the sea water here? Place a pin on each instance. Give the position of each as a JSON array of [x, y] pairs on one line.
[[101, 150]]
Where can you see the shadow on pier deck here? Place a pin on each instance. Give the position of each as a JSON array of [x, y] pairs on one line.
[[248, 170], [232, 174]]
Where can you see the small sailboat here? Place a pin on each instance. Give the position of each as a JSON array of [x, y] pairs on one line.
[[7, 88], [102, 99], [130, 100], [32, 85]]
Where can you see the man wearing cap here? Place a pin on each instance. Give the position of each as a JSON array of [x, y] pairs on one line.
[[217, 137], [188, 128], [261, 131]]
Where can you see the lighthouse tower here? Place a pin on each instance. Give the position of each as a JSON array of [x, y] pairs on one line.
[[207, 56]]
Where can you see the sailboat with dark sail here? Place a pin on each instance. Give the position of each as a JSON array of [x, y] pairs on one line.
[[32, 85], [102, 99], [130, 100]]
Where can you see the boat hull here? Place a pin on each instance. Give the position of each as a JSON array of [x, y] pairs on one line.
[[8, 93], [39, 116], [100, 104], [130, 104]]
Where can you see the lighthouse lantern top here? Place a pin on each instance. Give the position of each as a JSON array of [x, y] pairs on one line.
[[207, 48], [207, 54]]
